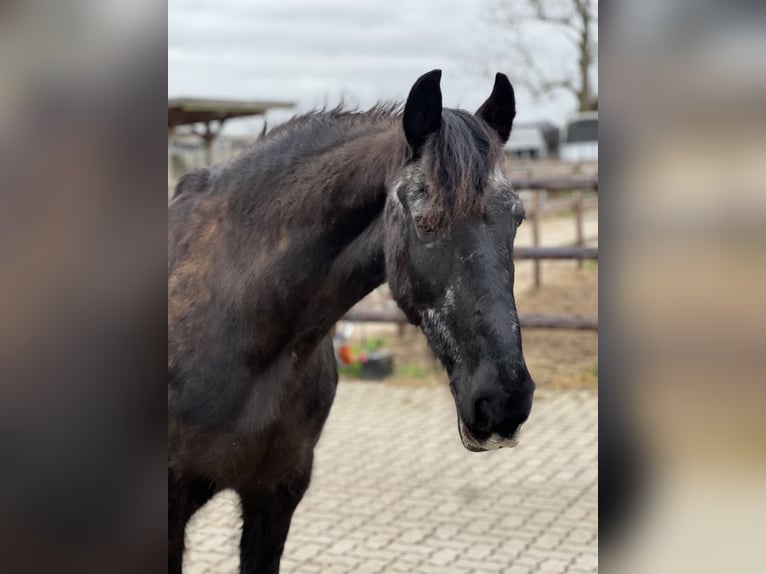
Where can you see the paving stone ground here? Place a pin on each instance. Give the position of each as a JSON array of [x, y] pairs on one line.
[[394, 491]]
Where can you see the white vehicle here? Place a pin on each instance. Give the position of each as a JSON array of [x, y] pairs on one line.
[[579, 138], [527, 142]]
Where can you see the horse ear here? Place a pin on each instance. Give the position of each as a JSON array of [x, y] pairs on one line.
[[500, 108], [423, 110]]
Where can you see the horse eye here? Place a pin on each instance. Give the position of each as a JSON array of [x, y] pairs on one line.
[[424, 226]]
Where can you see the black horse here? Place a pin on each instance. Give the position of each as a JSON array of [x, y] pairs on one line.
[[266, 252]]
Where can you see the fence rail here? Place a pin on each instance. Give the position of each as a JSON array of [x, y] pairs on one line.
[[575, 322], [555, 253], [555, 183], [577, 202]]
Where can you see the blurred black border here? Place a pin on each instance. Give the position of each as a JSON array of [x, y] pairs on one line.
[[621, 463], [82, 400]]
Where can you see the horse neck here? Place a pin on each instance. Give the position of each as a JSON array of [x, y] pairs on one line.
[[329, 251]]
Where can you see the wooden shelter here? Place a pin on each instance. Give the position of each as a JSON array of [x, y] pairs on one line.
[[212, 114]]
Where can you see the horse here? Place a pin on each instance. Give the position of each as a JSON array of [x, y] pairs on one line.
[[268, 250]]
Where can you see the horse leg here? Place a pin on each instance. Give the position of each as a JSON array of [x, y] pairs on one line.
[[185, 497], [266, 520]]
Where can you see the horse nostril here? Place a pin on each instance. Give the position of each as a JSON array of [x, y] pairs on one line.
[[501, 413], [481, 415]]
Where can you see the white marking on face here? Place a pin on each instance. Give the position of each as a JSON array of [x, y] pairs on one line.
[[409, 181], [497, 178], [395, 192], [417, 204], [502, 187], [436, 324], [448, 301]]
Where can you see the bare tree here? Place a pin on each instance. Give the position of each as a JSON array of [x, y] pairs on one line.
[[576, 20]]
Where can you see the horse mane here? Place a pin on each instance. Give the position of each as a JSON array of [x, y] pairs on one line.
[[319, 117], [456, 160], [194, 181]]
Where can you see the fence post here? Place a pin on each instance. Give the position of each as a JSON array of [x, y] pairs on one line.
[[578, 224], [536, 235]]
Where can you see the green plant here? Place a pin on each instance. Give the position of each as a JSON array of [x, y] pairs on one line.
[[375, 344], [352, 370], [413, 371], [370, 345]]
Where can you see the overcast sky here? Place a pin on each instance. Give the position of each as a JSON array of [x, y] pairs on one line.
[[316, 52]]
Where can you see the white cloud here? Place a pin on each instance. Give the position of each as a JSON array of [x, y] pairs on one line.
[[314, 53]]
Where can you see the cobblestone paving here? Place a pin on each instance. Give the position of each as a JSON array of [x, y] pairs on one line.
[[394, 491]]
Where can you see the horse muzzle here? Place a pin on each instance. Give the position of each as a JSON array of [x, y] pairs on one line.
[[493, 442]]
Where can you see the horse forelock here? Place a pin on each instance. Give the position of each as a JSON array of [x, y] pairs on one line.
[[458, 162]]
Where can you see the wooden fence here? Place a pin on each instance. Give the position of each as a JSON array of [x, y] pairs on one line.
[[576, 202], [530, 321]]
